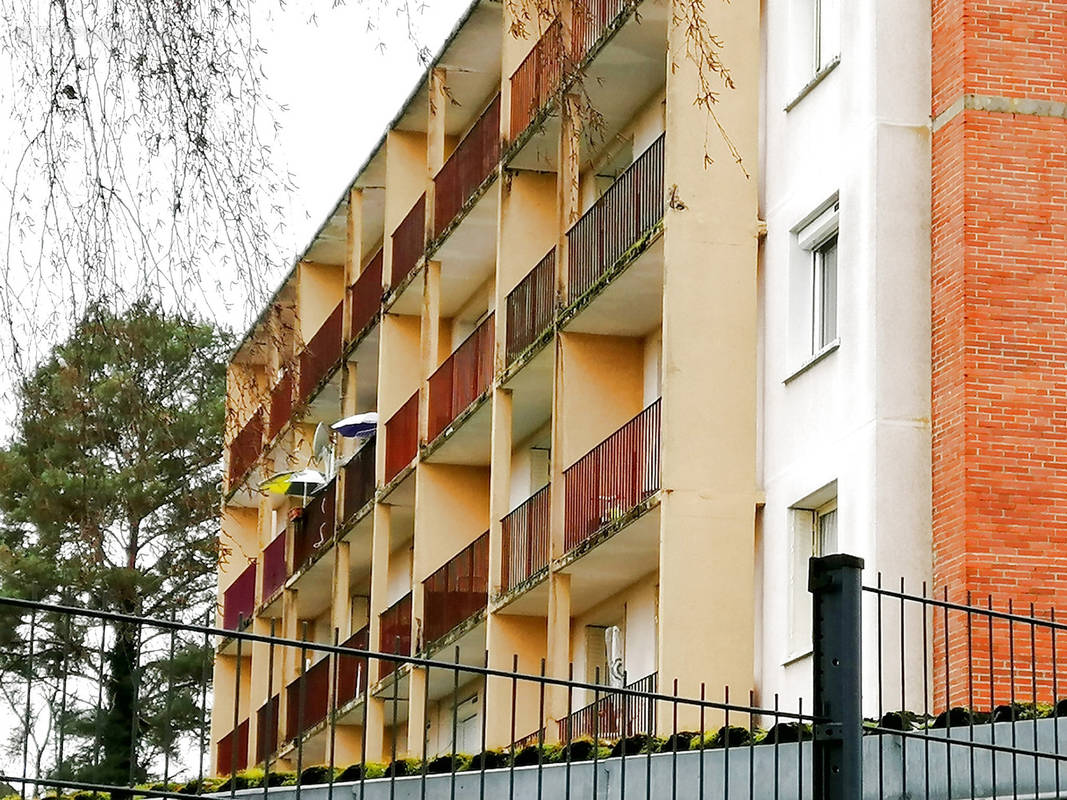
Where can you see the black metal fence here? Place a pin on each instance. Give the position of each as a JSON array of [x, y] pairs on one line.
[[446, 728]]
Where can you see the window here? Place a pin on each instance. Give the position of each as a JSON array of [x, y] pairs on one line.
[[824, 294], [826, 43], [824, 530], [814, 533]]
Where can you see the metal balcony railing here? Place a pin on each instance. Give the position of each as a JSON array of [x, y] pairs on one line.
[[321, 354], [239, 599], [470, 164], [359, 480], [245, 448], [367, 294], [537, 78], [281, 404], [589, 20], [409, 243], [458, 590], [402, 437], [531, 306], [233, 751], [526, 538], [462, 378], [626, 212], [314, 532], [307, 699], [394, 633], [267, 725], [274, 571], [610, 480], [614, 715], [352, 670]]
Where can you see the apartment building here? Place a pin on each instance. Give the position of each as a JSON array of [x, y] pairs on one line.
[[631, 366]]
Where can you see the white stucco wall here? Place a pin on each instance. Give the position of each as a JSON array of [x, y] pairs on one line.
[[860, 416]]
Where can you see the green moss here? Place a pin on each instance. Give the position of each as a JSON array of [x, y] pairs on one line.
[[316, 775], [638, 743], [402, 767], [682, 740], [492, 759], [735, 735]]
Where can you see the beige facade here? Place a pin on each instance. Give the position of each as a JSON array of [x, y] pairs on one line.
[[553, 311]]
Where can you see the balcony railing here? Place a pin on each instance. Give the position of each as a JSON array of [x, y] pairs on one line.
[[246, 448], [609, 481], [267, 724], [402, 437], [321, 354], [315, 530], [281, 404], [394, 633], [307, 699], [274, 572], [590, 18], [537, 79], [409, 242], [526, 540], [614, 715], [531, 306], [458, 590], [359, 480], [367, 294], [470, 164], [239, 599], [233, 751], [626, 212], [352, 670], [462, 378]]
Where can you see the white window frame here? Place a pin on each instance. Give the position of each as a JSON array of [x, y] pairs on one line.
[[826, 34], [814, 235], [805, 515]]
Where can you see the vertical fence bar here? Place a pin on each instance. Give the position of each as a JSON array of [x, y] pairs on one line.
[[29, 703], [272, 716], [234, 741]]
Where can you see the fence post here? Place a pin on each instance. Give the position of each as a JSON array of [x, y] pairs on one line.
[[837, 749]]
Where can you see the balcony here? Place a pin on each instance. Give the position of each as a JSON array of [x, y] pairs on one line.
[[463, 378], [314, 532], [307, 699], [613, 715], [530, 307], [469, 166], [607, 485], [590, 19], [359, 482], [409, 243], [526, 540], [267, 725], [457, 591], [274, 571], [366, 296], [537, 79], [281, 404], [233, 751], [394, 634], [352, 670], [622, 217], [321, 354], [245, 449], [402, 437], [239, 600]]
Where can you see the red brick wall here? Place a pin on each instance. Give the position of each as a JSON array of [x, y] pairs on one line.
[[999, 322]]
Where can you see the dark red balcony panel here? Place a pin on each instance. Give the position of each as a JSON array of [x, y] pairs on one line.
[[611, 479], [239, 599], [246, 448], [267, 725], [352, 670], [470, 164], [409, 242], [233, 751], [274, 571], [367, 294], [526, 540], [394, 634], [537, 79], [314, 531], [321, 354], [462, 378], [531, 306], [589, 21], [458, 590], [307, 699], [626, 211], [281, 404], [402, 437], [359, 480], [613, 716]]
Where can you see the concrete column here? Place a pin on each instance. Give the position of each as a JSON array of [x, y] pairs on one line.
[[353, 240], [430, 339], [341, 607], [378, 580], [416, 711], [499, 483], [559, 641]]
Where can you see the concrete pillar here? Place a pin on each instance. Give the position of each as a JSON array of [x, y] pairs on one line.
[[499, 483], [558, 645], [430, 339]]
